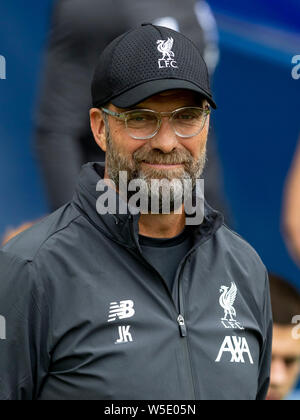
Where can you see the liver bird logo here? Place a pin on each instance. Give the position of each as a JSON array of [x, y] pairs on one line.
[[227, 300], [165, 48]]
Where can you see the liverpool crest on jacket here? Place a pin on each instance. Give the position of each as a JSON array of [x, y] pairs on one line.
[[227, 300]]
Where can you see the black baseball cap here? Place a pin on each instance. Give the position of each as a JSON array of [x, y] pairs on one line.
[[146, 61]]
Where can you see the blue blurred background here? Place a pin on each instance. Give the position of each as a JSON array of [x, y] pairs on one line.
[[257, 120]]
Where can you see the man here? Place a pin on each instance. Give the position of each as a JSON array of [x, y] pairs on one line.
[[129, 304], [80, 30], [285, 367]]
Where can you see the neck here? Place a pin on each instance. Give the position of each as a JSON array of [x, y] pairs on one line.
[[161, 225]]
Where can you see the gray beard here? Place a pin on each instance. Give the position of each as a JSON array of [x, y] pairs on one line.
[[117, 163]]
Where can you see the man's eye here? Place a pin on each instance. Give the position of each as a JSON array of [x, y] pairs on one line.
[[188, 115], [140, 117]]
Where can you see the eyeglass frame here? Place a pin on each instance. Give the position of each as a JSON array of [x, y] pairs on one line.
[[122, 116]]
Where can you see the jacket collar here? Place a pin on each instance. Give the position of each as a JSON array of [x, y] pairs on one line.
[[123, 228]]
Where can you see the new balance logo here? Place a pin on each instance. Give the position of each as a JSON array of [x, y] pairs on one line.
[[2, 328], [236, 347], [121, 311], [124, 335]]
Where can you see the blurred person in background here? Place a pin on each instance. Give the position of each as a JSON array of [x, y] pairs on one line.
[[291, 216], [80, 31], [12, 232], [285, 367]]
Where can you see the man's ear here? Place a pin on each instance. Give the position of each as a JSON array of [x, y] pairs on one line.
[[98, 127]]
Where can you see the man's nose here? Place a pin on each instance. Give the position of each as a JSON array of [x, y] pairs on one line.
[[278, 372], [166, 139]]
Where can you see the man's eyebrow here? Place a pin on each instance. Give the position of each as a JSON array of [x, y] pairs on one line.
[[133, 108]]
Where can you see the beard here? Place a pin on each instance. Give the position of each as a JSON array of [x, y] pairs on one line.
[[176, 178]]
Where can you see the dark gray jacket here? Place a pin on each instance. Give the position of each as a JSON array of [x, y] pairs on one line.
[[85, 316]]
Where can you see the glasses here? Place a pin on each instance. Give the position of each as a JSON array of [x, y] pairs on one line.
[[143, 124]]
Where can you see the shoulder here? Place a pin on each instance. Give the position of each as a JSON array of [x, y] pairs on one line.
[[238, 247], [237, 257], [244, 266], [20, 273], [26, 246]]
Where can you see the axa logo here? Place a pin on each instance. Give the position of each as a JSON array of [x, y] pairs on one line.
[[165, 48], [236, 348], [2, 328], [121, 310], [227, 300]]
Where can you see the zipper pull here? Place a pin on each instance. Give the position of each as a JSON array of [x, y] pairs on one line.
[[182, 326]]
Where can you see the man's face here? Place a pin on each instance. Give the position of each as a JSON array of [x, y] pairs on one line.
[[285, 366], [166, 155]]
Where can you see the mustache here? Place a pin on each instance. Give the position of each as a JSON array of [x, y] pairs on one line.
[[160, 158]]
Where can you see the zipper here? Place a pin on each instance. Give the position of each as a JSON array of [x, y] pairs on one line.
[[179, 275], [163, 282], [180, 316], [182, 326]]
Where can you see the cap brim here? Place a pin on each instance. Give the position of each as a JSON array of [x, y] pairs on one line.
[[144, 91]]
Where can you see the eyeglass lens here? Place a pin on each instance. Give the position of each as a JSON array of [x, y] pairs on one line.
[[186, 122]]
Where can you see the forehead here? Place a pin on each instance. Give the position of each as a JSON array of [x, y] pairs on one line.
[[172, 99], [284, 344]]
